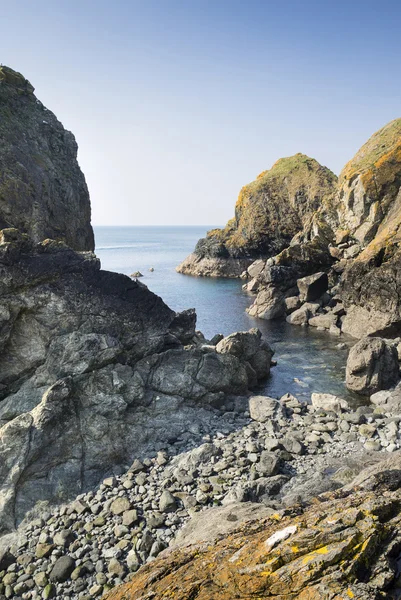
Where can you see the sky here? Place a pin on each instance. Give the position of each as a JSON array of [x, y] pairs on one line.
[[176, 104]]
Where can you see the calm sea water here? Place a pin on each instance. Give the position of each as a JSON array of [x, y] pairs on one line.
[[308, 360]]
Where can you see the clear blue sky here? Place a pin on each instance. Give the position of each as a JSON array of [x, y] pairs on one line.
[[177, 104]]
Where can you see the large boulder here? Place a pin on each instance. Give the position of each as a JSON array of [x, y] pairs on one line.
[[312, 286], [372, 365], [250, 348], [269, 212], [42, 189]]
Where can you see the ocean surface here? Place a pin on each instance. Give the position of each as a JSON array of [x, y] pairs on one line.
[[308, 360]]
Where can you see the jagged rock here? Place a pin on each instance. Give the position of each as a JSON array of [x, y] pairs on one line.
[[372, 365], [291, 304], [326, 321], [42, 189], [370, 209], [312, 286], [303, 314], [268, 214], [91, 371], [269, 304]]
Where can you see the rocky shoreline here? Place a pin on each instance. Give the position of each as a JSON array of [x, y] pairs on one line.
[[270, 455]]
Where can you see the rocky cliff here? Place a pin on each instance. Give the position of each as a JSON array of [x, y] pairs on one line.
[[370, 197], [42, 189], [350, 235], [93, 367], [269, 212], [92, 364]]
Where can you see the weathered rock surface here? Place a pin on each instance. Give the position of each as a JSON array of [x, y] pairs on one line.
[[372, 366], [42, 189], [346, 545], [269, 212], [371, 205], [92, 365]]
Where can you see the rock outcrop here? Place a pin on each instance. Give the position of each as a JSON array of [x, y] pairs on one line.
[[42, 189], [269, 212], [355, 242], [345, 545], [370, 195], [92, 365]]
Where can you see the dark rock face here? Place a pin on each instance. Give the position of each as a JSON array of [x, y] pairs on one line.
[[42, 189], [92, 365], [312, 287]]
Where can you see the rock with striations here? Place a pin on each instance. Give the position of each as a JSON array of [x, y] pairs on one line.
[[370, 210], [92, 365], [269, 212], [344, 545], [42, 189]]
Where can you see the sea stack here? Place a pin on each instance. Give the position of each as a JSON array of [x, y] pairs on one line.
[[269, 212]]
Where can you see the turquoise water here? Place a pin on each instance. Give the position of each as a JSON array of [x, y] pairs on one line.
[[308, 360]]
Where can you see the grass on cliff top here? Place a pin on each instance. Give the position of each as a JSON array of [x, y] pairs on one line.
[[371, 155], [293, 173], [286, 178]]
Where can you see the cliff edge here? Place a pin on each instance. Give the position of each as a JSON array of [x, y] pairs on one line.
[[42, 189]]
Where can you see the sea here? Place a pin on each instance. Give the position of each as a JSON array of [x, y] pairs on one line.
[[307, 360]]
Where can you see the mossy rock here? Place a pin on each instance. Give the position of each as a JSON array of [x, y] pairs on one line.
[[273, 208]]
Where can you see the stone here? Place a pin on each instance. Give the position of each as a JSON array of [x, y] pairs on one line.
[[264, 408], [302, 315], [248, 346], [269, 464], [62, 569], [130, 517], [329, 402], [64, 538], [372, 365], [292, 303], [167, 502], [43, 550], [120, 505], [313, 286], [293, 446], [326, 321], [49, 592], [40, 579], [133, 562]]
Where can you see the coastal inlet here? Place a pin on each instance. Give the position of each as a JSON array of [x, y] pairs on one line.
[[307, 360]]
